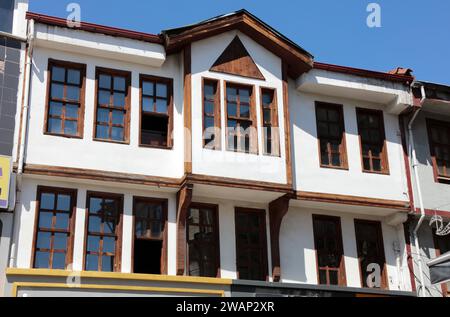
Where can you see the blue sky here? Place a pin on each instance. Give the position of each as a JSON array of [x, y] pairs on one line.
[[414, 33]]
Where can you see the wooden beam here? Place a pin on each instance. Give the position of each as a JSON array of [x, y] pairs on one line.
[[187, 104], [287, 125], [184, 199], [277, 210]]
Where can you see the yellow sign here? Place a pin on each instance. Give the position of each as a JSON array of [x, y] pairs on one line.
[[5, 177]]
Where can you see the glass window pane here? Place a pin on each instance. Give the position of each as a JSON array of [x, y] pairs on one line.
[[62, 221], [60, 241], [93, 244], [47, 201], [231, 94], [376, 165], [73, 76], [73, 93], [161, 90], [119, 99], [366, 163], [56, 109], [119, 83], [91, 262], [209, 91], [95, 205], [109, 226], [54, 125], [232, 109], [147, 88], [267, 116], [117, 117], [104, 97], [102, 132], [267, 98], [94, 224], [161, 105], [109, 245], [334, 280], [45, 220], [57, 91], [107, 264], [209, 124], [58, 73], [43, 240], [244, 95], [59, 261], [104, 81], [245, 111], [117, 134], [42, 260], [103, 115], [70, 127], [147, 104], [209, 108], [72, 111]]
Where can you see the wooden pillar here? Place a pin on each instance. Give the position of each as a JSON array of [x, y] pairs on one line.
[[277, 210], [184, 198], [187, 104]]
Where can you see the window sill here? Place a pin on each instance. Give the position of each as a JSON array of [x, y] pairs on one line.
[[377, 173], [64, 135], [110, 141], [341, 168], [156, 147]]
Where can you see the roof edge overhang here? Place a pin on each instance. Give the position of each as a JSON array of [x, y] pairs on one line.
[[297, 59]]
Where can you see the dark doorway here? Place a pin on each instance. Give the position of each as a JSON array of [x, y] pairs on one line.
[[147, 256]]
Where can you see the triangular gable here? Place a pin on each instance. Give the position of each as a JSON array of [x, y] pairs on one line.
[[236, 60]]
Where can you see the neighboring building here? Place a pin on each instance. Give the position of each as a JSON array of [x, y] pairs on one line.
[[120, 182], [429, 121], [12, 62]]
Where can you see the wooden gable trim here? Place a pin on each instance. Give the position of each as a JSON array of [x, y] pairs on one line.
[[184, 199], [299, 61], [236, 60], [277, 210]]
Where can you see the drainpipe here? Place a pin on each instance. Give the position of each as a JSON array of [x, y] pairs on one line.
[[23, 134], [415, 166]]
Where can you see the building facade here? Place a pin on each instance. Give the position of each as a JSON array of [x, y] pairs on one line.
[[217, 159], [13, 41]]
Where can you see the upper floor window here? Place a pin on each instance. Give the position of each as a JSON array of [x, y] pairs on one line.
[[251, 244], [241, 119], [439, 138], [370, 246], [150, 236], [156, 112], [54, 233], [330, 252], [6, 15], [104, 232], [202, 232], [65, 105], [331, 135], [211, 114], [113, 106], [373, 141], [269, 115]]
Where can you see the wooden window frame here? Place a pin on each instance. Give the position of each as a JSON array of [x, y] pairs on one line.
[[263, 236], [217, 114], [164, 252], [274, 119], [384, 279], [438, 250], [215, 209], [72, 218], [170, 109], [342, 274], [119, 228], [82, 101], [384, 151], [343, 147], [127, 108], [253, 147], [430, 123]]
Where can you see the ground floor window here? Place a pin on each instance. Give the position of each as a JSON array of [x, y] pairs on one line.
[[330, 252], [251, 244], [202, 230], [104, 232], [150, 236], [54, 233], [370, 246]]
